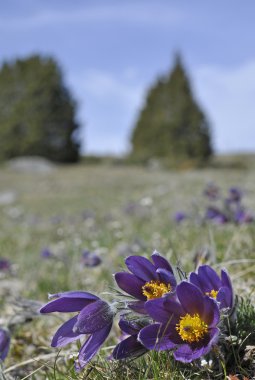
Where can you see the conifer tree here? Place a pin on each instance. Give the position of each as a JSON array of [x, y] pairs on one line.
[[171, 126], [37, 111]]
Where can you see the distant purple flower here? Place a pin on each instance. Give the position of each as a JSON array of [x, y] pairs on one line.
[[212, 213], [46, 254], [147, 280], [243, 216], [88, 214], [90, 259], [180, 216], [5, 340], [95, 317], [5, 265], [189, 326], [219, 288], [212, 192], [129, 347], [235, 195]]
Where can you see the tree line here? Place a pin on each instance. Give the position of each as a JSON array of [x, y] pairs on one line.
[[38, 116]]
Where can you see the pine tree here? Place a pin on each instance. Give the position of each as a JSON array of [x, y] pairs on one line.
[[171, 126], [37, 111]]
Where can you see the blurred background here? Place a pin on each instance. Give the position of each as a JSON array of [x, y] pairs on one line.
[[96, 79], [125, 126]]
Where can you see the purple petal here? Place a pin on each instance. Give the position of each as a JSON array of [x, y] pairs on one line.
[[93, 317], [191, 298], [186, 353], [65, 334], [161, 262], [194, 279], [142, 268], [129, 327], [5, 341], [128, 348], [167, 277], [138, 307], [68, 302], [173, 306], [130, 284], [159, 337], [225, 280], [91, 346], [163, 310], [225, 297], [211, 314], [209, 278]]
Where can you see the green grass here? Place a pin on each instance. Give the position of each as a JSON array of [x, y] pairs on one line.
[[83, 207]]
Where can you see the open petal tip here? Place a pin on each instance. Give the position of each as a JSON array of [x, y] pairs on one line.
[[66, 304], [91, 347], [193, 279], [160, 262], [209, 276], [65, 334], [225, 279], [141, 267]]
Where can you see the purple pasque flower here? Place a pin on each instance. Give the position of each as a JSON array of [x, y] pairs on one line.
[[147, 280], [95, 317], [187, 325], [5, 264], [5, 341], [180, 216], [129, 347], [219, 288], [212, 192], [214, 214], [90, 259], [243, 216], [234, 195], [46, 253]]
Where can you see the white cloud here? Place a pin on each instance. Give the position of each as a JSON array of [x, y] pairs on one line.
[[144, 13], [228, 94], [104, 85], [108, 106]]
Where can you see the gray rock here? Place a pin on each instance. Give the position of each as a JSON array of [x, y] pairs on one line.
[[31, 164], [7, 197]]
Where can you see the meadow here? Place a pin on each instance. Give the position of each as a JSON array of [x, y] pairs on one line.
[[114, 212]]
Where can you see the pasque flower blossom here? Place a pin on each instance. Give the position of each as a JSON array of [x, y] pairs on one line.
[[219, 288], [147, 280], [5, 340], [216, 215], [90, 259], [187, 325], [95, 317]]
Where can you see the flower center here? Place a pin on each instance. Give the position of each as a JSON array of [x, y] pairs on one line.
[[155, 289], [213, 293], [191, 328]]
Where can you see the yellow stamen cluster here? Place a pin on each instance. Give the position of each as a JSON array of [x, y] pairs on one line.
[[191, 328], [155, 289], [213, 293]]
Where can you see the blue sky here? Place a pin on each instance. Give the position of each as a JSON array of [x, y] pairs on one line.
[[111, 52]]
